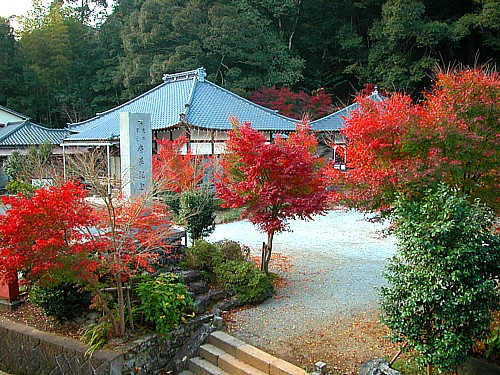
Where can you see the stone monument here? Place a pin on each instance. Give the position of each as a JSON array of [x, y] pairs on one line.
[[136, 153]]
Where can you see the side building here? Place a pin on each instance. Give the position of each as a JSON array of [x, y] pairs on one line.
[[18, 133]]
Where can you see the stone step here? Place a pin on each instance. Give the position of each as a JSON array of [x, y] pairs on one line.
[[200, 366], [234, 356], [211, 353], [236, 367]]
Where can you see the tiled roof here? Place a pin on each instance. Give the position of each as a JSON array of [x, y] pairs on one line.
[[25, 133], [335, 121], [189, 95]]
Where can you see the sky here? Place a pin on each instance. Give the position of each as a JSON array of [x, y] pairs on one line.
[[16, 7]]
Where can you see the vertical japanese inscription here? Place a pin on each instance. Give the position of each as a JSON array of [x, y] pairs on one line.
[[135, 153]]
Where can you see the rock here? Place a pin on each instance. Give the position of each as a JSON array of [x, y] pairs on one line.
[[476, 366], [377, 366], [190, 276], [198, 287], [201, 303], [217, 295], [226, 304]]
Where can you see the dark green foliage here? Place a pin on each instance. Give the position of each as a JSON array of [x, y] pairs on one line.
[[63, 300], [197, 212], [11, 65], [250, 285], [165, 302], [233, 251], [441, 283], [172, 200], [204, 256], [64, 68]]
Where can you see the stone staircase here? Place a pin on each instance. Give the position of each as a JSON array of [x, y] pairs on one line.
[[224, 354]]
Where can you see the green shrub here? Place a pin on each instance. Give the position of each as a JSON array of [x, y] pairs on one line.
[[16, 187], [63, 300], [250, 285], [165, 302], [197, 212], [172, 200], [203, 256], [441, 288], [232, 250], [492, 342]]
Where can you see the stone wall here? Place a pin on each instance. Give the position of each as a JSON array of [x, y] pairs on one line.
[[27, 351]]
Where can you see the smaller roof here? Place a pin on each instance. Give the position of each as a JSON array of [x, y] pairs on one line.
[[335, 121], [25, 133], [12, 112]]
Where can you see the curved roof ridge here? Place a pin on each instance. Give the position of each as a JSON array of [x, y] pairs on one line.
[[46, 128], [187, 106], [182, 75], [100, 114], [273, 112]]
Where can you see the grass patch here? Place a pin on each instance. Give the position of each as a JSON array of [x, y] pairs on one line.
[[228, 215]]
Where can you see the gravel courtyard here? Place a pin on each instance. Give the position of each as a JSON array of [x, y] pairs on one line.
[[335, 263]]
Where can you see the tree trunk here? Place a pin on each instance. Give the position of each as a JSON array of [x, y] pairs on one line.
[[107, 311], [121, 305], [266, 253]]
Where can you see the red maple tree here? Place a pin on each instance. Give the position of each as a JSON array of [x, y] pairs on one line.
[[294, 105], [132, 234], [275, 182], [175, 170], [452, 136], [45, 236], [56, 235]]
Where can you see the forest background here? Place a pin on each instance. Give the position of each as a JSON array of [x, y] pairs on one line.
[[68, 61]]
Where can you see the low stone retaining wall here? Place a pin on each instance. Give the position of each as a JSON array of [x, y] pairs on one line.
[[27, 351]]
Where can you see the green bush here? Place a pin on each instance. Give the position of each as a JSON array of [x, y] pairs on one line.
[[441, 283], [203, 256], [492, 342], [172, 200], [232, 250], [197, 212], [250, 285], [165, 302], [16, 187], [63, 300]]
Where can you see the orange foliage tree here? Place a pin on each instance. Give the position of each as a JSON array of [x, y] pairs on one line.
[[453, 135], [175, 170]]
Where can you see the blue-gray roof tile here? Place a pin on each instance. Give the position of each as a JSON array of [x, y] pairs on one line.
[[202, 104], [26, 133], [335, 121]]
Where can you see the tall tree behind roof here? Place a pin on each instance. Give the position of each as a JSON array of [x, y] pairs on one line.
[[10, 63], [56, 55], [232, 40]]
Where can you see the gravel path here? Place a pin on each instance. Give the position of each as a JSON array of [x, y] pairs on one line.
[[336, 261]]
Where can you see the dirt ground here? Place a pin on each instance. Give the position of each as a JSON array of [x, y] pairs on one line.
[[343, 344]]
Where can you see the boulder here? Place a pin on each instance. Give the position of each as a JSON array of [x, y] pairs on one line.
[[377, 366]]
